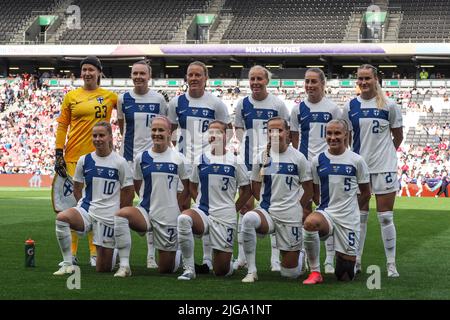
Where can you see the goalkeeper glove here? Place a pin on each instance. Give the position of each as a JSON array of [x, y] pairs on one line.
[[60, 164]]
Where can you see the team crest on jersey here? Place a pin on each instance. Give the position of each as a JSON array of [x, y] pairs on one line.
[[348, 169], [326, 117], [226, 169], [159, 166], [205, 113], [100, 100], [376, 113], [67, 188], [111, 173], [290, 167], [171, 167], [194, 111], [99, 171], [152, 107]]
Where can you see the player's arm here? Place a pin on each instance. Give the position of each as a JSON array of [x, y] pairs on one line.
[[126, 196], [256, 189], [245, 192], [364, 197], [174, 133], [397, 134], [120, 121], [183, 198], [78, 190], [295, 137], [193, 190], [306, 199], [137, 186], [239, 134], [316, 195], [61, 133]]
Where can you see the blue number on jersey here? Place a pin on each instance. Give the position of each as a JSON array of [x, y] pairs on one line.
[[376, 126], [289, 182], [295, 233], [351, 238], [171, 232], [347, 184], [226, 182], [170, 181], [389, 178], [230, 235], [109, 187]]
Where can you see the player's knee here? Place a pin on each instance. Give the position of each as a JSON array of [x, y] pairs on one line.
[[345, 269], [122, 213], [251, 220], [184, 222], [386, 218], [62, 217], [311, 223]]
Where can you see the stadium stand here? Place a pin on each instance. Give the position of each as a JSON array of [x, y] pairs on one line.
[[15, 13], [131, 21], [311, 20]]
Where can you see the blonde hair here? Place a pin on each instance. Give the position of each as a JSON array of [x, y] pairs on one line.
[[108, 128], [266, 72], [380, 96], [200, 64]]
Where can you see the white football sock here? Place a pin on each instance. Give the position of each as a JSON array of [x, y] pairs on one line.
[[311, 243], [207, 250], [364, 216], [230, 271], [241, 254], [291, 273], [329, 245], [64, 240], [275, 256], [388, 233], [122, 236], [177, 261], [150, 246], [250, 223], [186, 240]]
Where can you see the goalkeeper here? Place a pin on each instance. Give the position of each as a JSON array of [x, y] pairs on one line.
[[81, 109]]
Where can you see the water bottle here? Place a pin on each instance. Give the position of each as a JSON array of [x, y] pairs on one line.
[[29, 253]]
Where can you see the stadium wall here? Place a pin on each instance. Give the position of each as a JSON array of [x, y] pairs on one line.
[[23, 180]]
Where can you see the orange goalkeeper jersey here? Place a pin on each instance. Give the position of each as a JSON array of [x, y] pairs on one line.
[[80, 111]]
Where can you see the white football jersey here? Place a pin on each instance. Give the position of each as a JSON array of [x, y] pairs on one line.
[[339, 178], [103, 178], [281, 183], [193, 116], [252, 115], [137, 112], [161, 173], [219, 178], [371, 132], [310, 120]]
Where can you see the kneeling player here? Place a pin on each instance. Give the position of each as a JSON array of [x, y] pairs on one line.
[[108, 186], [338, 174], [276, 182], [160, 168], [214, 182]]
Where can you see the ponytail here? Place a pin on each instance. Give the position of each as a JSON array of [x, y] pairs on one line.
[[380, 97]]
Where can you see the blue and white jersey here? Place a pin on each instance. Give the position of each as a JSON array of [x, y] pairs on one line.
[[310, 120], [137, 111], [339, 178], [193, 116], [281, 184], [218, 178], [252, 115], [161, 173], [371, 132], [103, 178]]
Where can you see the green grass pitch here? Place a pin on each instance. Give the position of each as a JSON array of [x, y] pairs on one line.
[[423, 259]]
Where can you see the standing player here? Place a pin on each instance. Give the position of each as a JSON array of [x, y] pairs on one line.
[[308, 122], [81, 109], [160, 168], [215, 178], [108, 186], [376, 126], [192, 112], [276, 180], [135, 109], [252, 114], [404, 180], [337, 173], [419, 182]]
